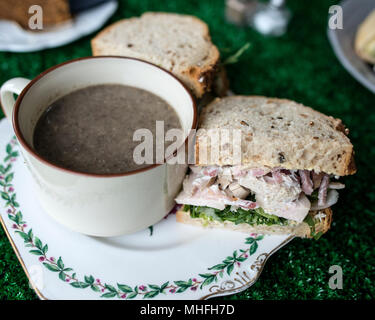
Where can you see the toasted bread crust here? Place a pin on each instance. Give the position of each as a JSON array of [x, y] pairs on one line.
[[301, 230], [220, 85]]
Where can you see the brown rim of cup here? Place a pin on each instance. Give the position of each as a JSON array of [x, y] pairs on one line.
[[22, 141]]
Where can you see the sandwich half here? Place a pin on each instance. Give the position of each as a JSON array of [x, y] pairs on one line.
[[286, 178], [178, 43]]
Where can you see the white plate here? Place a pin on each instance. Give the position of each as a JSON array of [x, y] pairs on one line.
[[175, 262], [342, 41], [15, 39]]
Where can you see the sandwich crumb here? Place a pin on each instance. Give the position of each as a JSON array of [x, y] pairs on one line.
[[281, 157]]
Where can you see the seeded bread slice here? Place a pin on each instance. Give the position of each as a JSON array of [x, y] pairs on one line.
[[303, 230], [179, 43], [276, 133]]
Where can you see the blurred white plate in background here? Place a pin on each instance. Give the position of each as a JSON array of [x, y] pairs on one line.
[[342, 41], [15, 39]]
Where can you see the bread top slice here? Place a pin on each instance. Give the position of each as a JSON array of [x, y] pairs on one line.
[[178, 43], [276, 133]]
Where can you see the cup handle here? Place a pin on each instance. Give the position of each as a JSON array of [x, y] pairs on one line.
[[8, 89]]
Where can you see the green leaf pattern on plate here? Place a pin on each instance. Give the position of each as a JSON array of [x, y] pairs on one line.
[[122, 291]]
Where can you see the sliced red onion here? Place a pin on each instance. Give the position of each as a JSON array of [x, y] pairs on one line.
[[268, 179], [237, 171], [336, 185], [332, 197], [245, 204], [277, 176], [317, 179], [257, 172], [211, 171], [322, 194], [306, 182]]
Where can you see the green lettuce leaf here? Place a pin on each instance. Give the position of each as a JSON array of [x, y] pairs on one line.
[[252, 217]]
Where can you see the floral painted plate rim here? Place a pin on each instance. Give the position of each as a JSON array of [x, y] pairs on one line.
[[216, 275]]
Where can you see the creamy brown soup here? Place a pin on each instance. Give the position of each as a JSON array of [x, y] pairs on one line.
[[91, 130]]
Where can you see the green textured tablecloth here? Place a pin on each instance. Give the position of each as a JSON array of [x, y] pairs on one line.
[[299, 66]]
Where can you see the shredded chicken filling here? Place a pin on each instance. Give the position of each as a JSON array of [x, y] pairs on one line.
[[288, 194]]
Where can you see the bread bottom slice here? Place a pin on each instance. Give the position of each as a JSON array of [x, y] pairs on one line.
[[302, 230]]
